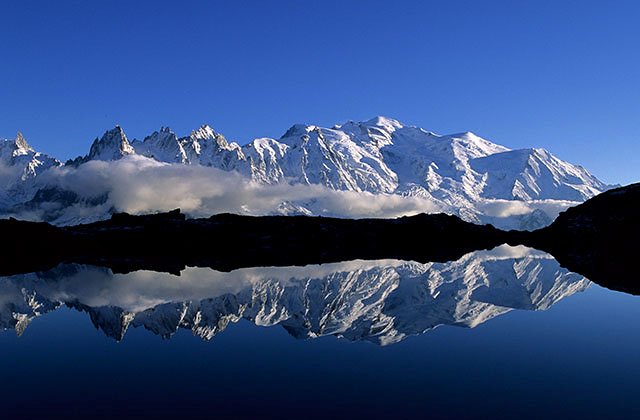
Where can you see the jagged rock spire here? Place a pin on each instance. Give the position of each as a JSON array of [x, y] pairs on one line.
[[21, 142], [111, 146]]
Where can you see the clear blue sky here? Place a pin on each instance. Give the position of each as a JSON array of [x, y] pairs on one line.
[[564, 75]]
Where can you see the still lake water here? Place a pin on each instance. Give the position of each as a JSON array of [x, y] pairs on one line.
[[497, 334]]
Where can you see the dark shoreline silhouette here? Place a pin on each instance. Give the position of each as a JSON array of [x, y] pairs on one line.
[[597, 239], [170, 241]]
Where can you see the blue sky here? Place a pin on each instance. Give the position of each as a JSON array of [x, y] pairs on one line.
[[563, 75]]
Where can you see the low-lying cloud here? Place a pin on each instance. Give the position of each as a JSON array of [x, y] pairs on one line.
[[511, 208], [140, 185]]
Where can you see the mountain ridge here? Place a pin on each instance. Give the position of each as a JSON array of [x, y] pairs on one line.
[[458, 172]]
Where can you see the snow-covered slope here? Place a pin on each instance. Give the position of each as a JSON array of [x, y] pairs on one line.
[[380, 156], [19, 164], [529, 174], [458, 172], [162, 145], [384, 156], [202, 147], [379, 301]]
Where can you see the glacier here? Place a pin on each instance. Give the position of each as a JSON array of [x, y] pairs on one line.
[[379, 159]]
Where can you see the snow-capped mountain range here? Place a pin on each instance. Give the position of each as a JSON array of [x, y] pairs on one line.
[[381, 301], [460, 173]]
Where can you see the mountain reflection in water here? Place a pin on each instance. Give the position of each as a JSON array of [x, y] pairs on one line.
[[382, 301]]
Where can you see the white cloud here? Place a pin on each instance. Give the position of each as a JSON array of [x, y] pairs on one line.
[[140, 185], [510, 208]]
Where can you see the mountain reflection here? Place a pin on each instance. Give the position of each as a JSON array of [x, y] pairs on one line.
[[381, 301]]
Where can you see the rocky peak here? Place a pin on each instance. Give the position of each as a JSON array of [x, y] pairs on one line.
[[111, 146]]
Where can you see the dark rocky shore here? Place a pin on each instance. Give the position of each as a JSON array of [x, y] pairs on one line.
[[597, 239]]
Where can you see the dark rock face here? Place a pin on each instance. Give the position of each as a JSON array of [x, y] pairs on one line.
[[610, 215], [598, 238]]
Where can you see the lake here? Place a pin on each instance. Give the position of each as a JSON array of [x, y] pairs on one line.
[[496, 334]]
